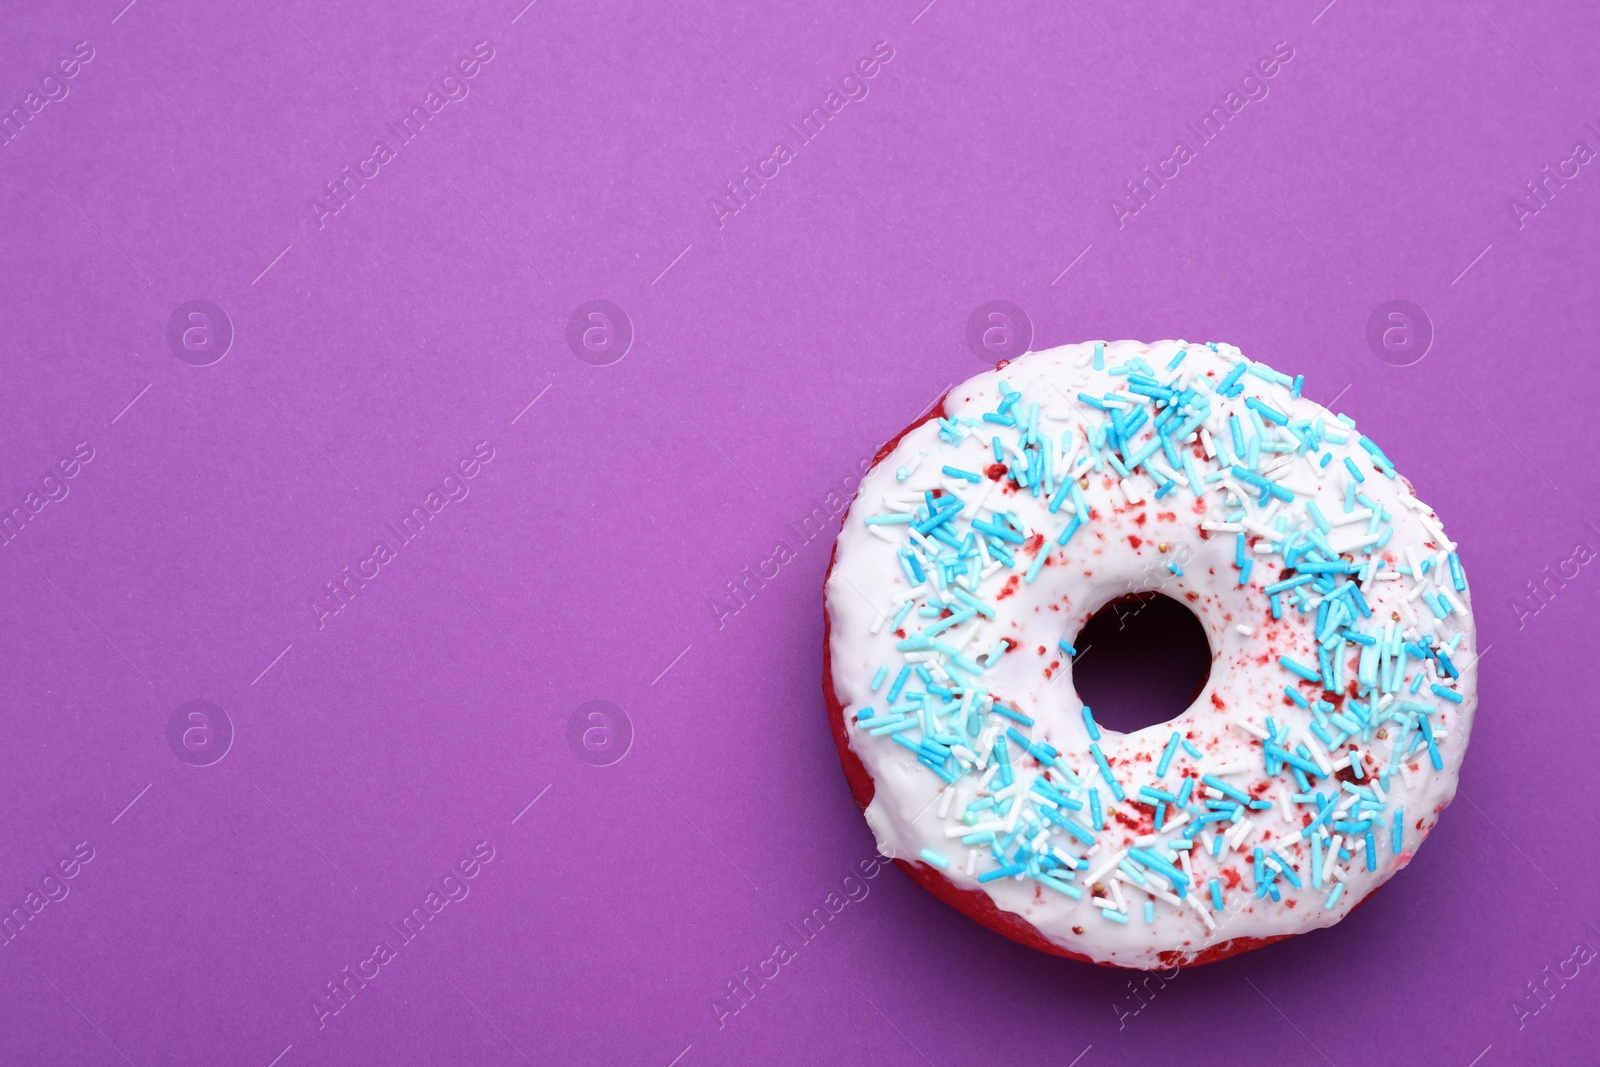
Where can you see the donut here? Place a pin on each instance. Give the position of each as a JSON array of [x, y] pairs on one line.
[[1320, 750]]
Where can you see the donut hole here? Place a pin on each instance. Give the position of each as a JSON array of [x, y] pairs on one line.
[[1142, 660]]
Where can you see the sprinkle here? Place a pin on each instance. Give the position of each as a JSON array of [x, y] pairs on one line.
[[1305, 672], [1090, 724], [1333, 897], [1068, 649], [1166, 756], [877, 679], [934, 858], [1105, 771]]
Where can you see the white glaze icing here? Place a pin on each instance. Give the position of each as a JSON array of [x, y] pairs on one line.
[[1113, 554]]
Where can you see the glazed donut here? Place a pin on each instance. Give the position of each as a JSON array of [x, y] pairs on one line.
[[1308, 770]]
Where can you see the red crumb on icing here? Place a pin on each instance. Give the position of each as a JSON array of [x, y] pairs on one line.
[[1216, 698], [1230, 877], [1009, 588], [995, 471], [1139, 518], [1034, 543], [1134, 541], [1144, 824]]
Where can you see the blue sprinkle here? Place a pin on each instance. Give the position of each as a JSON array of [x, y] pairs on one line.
[[1068, 649], [934, 858], [1216, 895], [877, 679], [1115, 916], [1105, 771], [957, 472], [1015, 716], [1089, 723], [1305, 672], [1166, 757], [1449, 694]]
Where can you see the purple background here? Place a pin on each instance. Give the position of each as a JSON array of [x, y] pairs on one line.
[[770, 356]]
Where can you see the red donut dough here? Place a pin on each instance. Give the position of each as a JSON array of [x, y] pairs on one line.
[[973, 903]]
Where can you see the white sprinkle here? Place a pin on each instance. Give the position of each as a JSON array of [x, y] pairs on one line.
[[1249, 727], [1358, 515], [972, 860], [1223, 527], [1320, 757], [1105, 868], [945, 798], [1130, 492], [877, 624]]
